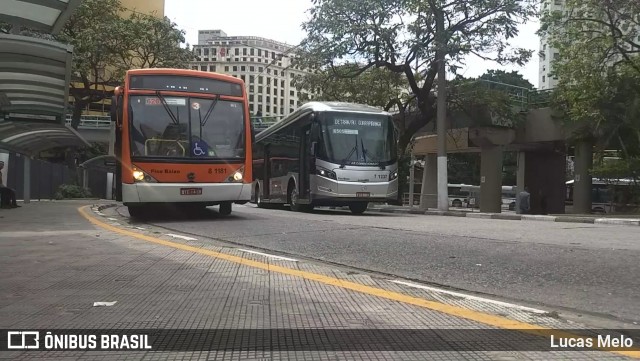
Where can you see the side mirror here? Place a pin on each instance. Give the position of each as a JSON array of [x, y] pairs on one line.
[[116, 109], [314, 147]]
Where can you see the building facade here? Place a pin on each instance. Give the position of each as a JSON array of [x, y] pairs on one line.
[[547, 53], [265, 66]]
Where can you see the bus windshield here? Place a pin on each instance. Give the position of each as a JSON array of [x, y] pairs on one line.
[[186, 127], [357, 139]]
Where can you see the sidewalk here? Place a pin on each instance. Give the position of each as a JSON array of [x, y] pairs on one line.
[[570, 218], [57, 260]]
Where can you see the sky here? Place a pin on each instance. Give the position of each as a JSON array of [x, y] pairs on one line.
[[281, 20]]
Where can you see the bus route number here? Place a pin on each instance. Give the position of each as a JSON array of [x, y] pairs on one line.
[[381, 176], [218, 170]]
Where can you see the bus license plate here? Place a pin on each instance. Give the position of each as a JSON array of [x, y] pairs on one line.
[[190, 191], [363, 194]]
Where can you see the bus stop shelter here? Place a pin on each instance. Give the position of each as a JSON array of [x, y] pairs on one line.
[[34, 80]]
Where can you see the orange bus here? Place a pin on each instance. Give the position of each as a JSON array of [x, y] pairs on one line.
[[183, 137]]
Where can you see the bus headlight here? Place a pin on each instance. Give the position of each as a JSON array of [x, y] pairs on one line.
[[326, 173], [140, 176], [237, 176], [393, 175]]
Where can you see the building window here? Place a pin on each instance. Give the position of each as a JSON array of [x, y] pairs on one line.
[[251, 98], [282, 93], [212, 68], [268, 108], [292, 102], [260, 80], [282, 84], [544, 78], [194, 67], [237, 51], [244, 51], [226, 68], [243, 68], [259, 98], [260, 89], [252, 52], [259, 52], [206, 51], [235, 68], [260, 69], [291, 93], [252, 69], [203, 67]]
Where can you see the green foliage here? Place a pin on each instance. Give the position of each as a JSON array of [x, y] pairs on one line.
[[106, 45], [400, 36], [463, 168], [70, 191], [377, 87], [598, 67], [149, 42]]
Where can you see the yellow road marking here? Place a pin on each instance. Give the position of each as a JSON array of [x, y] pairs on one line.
[[480, 317]]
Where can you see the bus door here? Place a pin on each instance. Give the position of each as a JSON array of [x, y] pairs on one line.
[[266, 178], [304, 162]]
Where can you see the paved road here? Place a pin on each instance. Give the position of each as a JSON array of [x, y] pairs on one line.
[[587, 268]]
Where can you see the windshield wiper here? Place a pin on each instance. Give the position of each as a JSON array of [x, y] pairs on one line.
[[364, 152], [209, 111], [354, 149], [167, 109]]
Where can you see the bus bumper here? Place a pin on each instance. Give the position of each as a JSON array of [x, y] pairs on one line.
[[327, 189], [212, 193]]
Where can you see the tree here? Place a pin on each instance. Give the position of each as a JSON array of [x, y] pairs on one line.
[[598, 67], [400, 36], [149, 42], [377, 87], [106, 45]]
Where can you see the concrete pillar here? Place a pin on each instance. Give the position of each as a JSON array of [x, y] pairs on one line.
[[491, 180], [582, 179], [26, 196], [109, 193], [429, 191], [520, 178]]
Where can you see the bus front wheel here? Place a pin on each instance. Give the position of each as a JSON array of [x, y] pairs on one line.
[[358, 208], [138, 212], [225, 208]]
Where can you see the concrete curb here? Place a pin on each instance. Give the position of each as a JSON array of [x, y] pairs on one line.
[[102, 207], [514, 217]]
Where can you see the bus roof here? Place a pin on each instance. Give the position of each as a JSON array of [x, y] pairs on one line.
[[622, 181], [311, 107], [341, 107], [184, 72]]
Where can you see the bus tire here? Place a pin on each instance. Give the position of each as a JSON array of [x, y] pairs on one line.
[[225, 208], [259, 201], [358, 208], [292, 198], [138, 212]]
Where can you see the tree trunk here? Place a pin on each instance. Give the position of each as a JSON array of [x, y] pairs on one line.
[[78, 106]]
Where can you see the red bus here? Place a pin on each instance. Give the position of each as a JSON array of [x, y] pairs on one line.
[[183, 137]]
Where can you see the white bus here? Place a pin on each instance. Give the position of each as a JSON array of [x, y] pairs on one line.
[[327, 154]]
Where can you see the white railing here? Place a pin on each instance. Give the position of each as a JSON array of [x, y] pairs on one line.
[[93, 121]]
